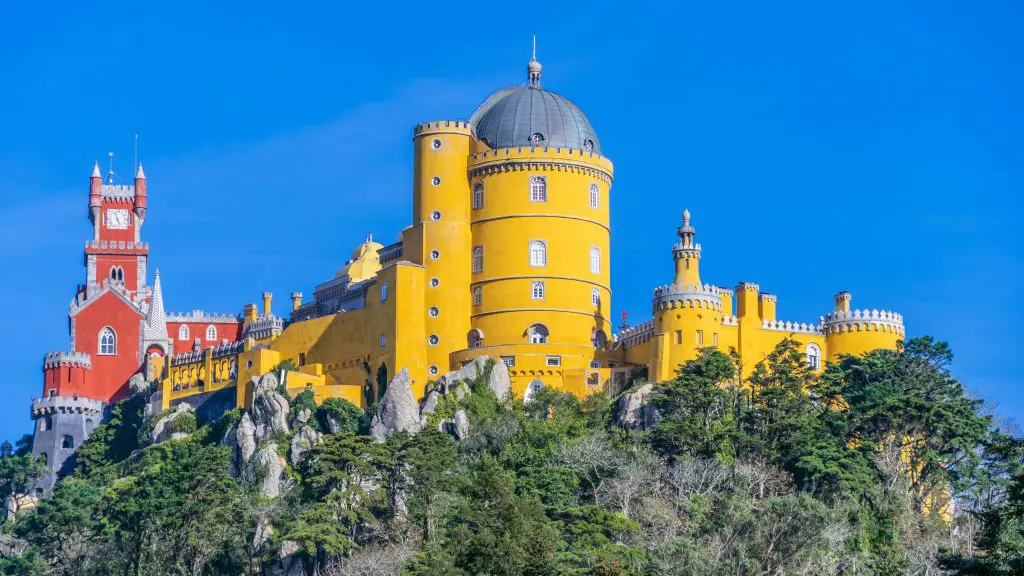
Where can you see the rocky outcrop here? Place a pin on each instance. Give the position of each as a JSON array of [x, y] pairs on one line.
[[429, 404], [245, 436], [137, 384], [302, 417], [302, 442], [161, 431], [269, 407], [499, 382], [290, 562], [633, 410], [398, 409], [272, 466], [457, 426]]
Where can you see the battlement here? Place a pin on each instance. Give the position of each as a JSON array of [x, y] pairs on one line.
[[748, 287], [58, 359], [730, 321], [199, 316], [791, 327], [679, 249], [442, 127], [638, 334], [118, 191], [540, 158], [263, 327], [857, 320], [66, 405], [769, 297], [687, 296]]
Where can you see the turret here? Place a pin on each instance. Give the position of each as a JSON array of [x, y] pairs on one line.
[[856, 332], [767, 306], [747, 301], [296, 300], [843, 300], [140, 193], [95, 192], [267, 296], [687, 255]]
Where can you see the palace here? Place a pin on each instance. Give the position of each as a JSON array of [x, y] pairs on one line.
[[507, 255]]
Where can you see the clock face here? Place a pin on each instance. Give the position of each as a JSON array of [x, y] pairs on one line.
[[117, 219]]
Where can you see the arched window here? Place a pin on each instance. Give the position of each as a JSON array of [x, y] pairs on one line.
[[475, 339], [595, 259], [538, 253], [595, 195], [383, 341], [813, 356], [478, 295], [478, 195], [478, 259], [537, 290], [211, 332], [533, 388], [384, 292], [537, 334], [538, 189], [595, 297], [183, 332], [67, 442], [598, 339], [108, 342]]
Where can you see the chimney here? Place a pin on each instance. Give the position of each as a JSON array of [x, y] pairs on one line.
[[843, 300], [296, 300], [266, 302]]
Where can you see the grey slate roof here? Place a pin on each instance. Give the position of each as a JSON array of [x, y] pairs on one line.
[[511, 116]]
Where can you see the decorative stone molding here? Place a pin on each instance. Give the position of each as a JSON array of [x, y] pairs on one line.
[[265, 326], [689, 296], [863, 320], [730, 321], [66, 405], [116, 245], [57, 359], [118, 192], [202, 317]]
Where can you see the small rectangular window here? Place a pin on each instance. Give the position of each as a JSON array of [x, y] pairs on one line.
[[700, 337], [478, 295], [714, 339], [478, 259], [509, 361], [595, 195], [595, 297], [595, 363], [554, 360], [679, 337], [302, 358]]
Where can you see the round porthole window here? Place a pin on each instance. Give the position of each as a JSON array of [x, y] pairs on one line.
[[433, 370], [436, 180], [435, 215], [435, 254], [537, 139], [248, 364], [433, 340], [588, 145], [435, 143], [435, 282], [434, 312]]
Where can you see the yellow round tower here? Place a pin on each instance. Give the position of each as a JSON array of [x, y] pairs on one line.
[[539, 209], [440, 237], [687, 314], [858, 331]]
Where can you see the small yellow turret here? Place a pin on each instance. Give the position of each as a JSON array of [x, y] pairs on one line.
[[687, 255]]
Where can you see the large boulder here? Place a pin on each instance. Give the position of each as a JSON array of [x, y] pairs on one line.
[[499, 381], [289, 561], [269, 407], [633, 410], [137, 384], [398, 409], [474, 369], [271, 465], [302, 417], [302, 442], [161, 430], [245, 437], [458, 426], [429, 404]]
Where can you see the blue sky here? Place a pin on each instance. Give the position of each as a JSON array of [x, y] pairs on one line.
[[872, 146]]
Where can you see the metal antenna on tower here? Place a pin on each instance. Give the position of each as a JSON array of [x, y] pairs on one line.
[[135, 161], [110, 172]]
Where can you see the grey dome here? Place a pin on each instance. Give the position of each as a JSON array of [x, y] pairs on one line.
[[511, 117]]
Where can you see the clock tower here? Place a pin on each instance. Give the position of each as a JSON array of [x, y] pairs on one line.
[[117, 212]]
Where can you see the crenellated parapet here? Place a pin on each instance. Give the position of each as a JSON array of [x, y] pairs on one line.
[[687, 296], [263, 327], [636, 335], [198, 316], [125, 246], [730, 320], [541, 158], [67, 359], [442, 127], [862, 321], [117, 192], [66, 405], [791, 327]]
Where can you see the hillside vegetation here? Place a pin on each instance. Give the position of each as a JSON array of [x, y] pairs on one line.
[[880, 465]]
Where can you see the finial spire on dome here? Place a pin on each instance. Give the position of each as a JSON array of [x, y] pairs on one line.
[[533, 68]]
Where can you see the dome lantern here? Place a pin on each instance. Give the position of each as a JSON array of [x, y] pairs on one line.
[[533, 68]]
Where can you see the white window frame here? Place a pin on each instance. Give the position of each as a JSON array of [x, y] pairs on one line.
[[509, 361], [538, 253], [183, 332], [478, 259], [477, 341], [553, 361], [211, 329], [478, 195], [595, 259], [595, 297], [538, 189], [538, 334], [478, 295], [700, 337], [595, 195], [105, 348], [813, 359], [537, 290]]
